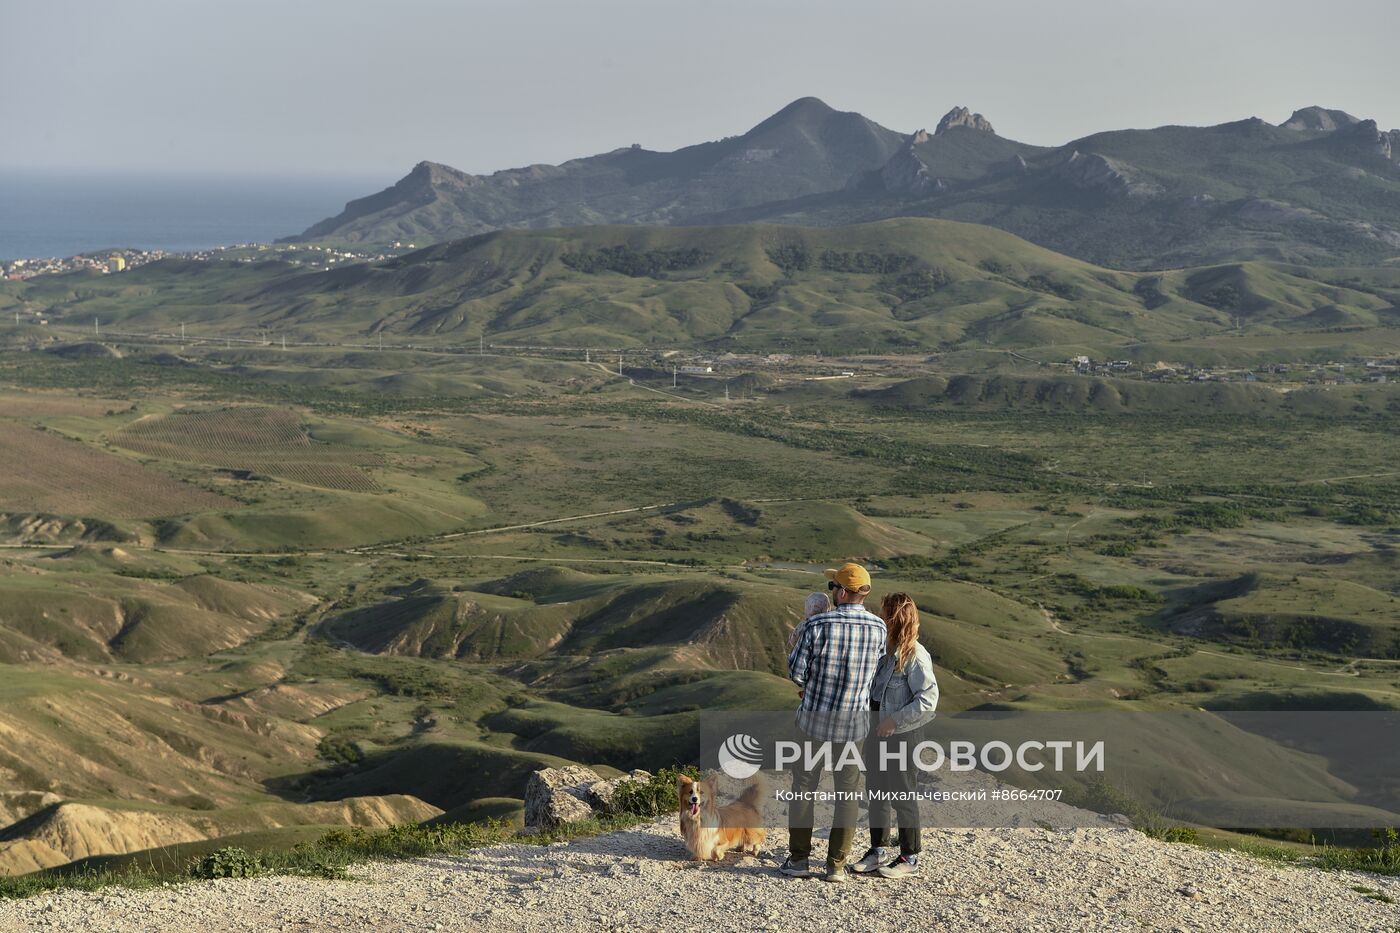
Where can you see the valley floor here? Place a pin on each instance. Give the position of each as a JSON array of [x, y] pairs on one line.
[[1008, 880]]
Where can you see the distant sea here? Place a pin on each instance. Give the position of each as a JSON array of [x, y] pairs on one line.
[[53, 214]]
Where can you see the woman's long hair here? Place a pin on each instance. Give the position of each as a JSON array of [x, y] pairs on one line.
[[901, 627]]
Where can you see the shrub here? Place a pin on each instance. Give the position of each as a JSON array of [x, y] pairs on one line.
[[651, 798], [339, 750], [228, 862]]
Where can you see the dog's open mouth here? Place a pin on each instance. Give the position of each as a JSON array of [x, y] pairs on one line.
[[694, 808]]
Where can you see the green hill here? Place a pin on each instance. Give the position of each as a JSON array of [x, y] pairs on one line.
[[98, 617], [694, 622], [906, 284], [1302, 612]]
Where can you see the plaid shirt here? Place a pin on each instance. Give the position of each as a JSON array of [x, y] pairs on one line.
[[834, 663]]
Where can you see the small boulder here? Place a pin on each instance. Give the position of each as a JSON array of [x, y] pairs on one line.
[[558, 796]]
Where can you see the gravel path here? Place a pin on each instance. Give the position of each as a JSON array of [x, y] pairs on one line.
[[1012, 880]]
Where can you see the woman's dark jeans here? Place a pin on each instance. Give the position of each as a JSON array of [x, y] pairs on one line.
[[895, 780]]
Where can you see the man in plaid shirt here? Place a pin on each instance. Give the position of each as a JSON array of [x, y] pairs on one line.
[[833, 664]]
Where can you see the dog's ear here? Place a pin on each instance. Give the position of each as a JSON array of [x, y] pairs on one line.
[[683, 781]]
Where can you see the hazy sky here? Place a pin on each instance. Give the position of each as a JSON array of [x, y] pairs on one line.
[[368, 86]]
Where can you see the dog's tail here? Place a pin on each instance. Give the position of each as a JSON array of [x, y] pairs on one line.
[[753, 794]]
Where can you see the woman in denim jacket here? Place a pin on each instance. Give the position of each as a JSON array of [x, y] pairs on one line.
[[905, 694]]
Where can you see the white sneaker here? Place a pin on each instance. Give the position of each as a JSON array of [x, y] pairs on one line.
[[902, 867]]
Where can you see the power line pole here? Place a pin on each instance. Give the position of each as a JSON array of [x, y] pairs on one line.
[[619, 364], [481, 345], [673, 376], [94, 327], [726, 391], [284, 341], [586, 358], [182, 331]]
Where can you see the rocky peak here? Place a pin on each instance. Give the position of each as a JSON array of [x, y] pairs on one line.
[[1318, 118], [920, 136], [435, 173], [961, 116]]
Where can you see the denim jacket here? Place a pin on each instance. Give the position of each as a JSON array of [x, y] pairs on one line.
[[909, 697]]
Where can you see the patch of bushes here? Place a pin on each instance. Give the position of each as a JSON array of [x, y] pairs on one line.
[[918, 284], [412, 841], [1206, 516], [1222, 297], [790, 257], [1149, 291], [1171, 833], [636, 263], [339, 750], [861, 262], [1043, 283], [758, 294], [1103, 593]]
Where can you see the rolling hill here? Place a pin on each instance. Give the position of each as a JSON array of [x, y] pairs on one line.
[[1321, 187], [911, 284]]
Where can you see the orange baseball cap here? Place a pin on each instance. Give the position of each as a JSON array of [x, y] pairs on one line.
[[852, 577]]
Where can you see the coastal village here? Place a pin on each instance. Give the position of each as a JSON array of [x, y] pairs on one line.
[[108, 262]]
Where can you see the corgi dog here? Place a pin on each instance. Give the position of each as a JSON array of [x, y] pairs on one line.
[[710, 830]]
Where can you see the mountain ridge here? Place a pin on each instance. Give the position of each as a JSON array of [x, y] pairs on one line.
[[1132, 198], [805, 148]]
